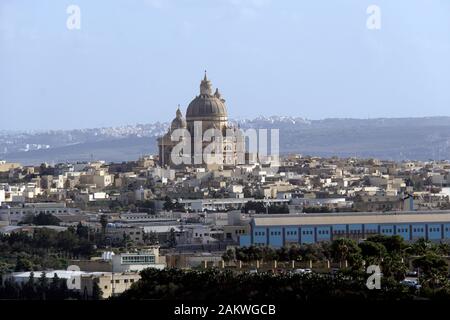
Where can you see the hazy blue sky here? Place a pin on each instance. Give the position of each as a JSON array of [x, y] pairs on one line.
[[133, 61]]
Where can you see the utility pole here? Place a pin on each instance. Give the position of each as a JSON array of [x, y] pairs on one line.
[[266, 204], [112, 278]]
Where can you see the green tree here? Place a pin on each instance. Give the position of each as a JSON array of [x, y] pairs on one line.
[[44, 238], [443, 249], [46, 219], [294, 253], [42, 286], [434, 270], [23, 263], [256, 206], [170, 204], [28, 219], [66, 241], [393, 244], [84, 248], [82, 231], [278, 209], [372, 251], [172, 240], [150, 238], [10, 289], [97, 292], [393, 266], [229, 255], [126, 239], [345, 249], [241, 254], [29, 288], [53, 291], [175, 284], [103, 223], [420, 247]]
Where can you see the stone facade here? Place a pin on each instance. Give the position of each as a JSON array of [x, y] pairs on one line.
[[206, 111]]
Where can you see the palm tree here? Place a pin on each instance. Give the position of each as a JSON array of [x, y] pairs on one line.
[[371, 251], [433, 270], [345, 250], [393, 266], [420, 247]]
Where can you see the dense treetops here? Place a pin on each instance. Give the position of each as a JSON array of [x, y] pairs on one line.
[[43, 249], [390, 253]]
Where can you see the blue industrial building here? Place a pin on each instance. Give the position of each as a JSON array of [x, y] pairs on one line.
[[285, 230]]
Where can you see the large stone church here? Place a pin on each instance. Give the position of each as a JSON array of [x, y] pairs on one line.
[[209, 110]]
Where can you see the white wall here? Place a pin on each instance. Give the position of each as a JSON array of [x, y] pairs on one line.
[[2, 196]]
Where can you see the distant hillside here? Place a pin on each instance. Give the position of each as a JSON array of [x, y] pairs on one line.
[[396, 139], [114, 150]]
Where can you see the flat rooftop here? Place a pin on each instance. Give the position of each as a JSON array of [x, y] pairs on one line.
[[393, 217]]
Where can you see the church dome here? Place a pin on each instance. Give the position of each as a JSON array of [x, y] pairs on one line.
[[206, 105], [179, 122]]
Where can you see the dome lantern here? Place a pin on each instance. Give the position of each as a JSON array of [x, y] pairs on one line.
[[205, 86], [207, 106], [179, 114]]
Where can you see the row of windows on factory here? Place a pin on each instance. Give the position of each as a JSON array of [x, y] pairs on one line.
[[291, 233], [322, 232], [354, 231], [414, 230], [383, 230]]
